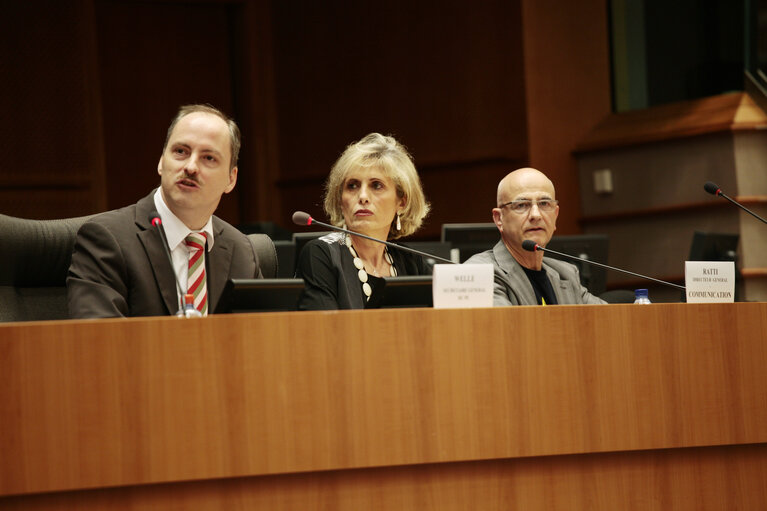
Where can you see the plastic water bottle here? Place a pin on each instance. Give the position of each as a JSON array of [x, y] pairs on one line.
[[189, 309], [640, 296]]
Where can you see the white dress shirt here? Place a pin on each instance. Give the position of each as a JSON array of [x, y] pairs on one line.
[[176, 232]]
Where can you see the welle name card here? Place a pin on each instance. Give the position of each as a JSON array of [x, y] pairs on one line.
[[462, 285]]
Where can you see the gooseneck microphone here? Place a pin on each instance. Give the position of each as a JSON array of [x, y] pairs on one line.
[[155, 220], [714, 189], [301, 218], [532, 246]]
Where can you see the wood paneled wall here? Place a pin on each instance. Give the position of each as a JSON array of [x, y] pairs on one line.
[[473, 91], [567, 79], [154, 57], [446, 80], [50, 122]]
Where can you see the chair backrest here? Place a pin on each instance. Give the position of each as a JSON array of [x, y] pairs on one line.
[[36, 258], [267, 254], [286, 258], [35, 261]]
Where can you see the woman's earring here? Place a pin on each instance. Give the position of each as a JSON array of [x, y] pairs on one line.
[[399, 224], [343, 226]]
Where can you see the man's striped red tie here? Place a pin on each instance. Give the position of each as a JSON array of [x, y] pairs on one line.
[[196, 283]]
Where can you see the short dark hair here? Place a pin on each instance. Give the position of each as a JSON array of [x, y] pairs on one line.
[[234, 131]]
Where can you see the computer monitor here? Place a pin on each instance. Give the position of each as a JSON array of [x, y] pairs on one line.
[[470, 239], [714, 246], [436, 248], [405, 291], [260, 295], [593, 247]]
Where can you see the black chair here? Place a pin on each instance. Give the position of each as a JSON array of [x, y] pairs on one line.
[[267, 254], [36, 258], [33, 274], [286, 258]]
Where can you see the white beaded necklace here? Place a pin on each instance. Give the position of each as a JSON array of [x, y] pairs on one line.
[[360, 265]]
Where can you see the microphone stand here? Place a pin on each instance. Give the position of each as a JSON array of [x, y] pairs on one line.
[[532, 246], [713, 189], [156, 221], [301, 218]]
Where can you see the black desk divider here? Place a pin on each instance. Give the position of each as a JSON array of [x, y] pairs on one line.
[[260, 295], [407, 291]]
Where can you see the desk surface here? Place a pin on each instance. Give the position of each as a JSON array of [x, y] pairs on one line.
[[93, 404]]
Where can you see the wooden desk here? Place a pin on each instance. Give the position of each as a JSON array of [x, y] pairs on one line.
[[654, 407]]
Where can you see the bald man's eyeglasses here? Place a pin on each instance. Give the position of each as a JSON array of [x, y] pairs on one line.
[[522, 207]]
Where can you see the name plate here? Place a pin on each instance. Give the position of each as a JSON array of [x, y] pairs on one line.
[[709, 281], [462, 286]]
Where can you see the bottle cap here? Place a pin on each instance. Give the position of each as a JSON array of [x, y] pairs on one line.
[[189, 299], [640, 293]]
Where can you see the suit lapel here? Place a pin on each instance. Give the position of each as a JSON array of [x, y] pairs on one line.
[[218, 262], [519, 284], [161, 268], [561, 289]]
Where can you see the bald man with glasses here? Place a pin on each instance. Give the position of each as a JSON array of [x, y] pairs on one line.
[[527, 210]]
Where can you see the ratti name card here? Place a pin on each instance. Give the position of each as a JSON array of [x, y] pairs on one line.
[[462, 286], [709, 281]]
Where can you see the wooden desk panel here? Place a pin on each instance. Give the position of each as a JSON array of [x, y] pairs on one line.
[[94, 404], [702, 478]]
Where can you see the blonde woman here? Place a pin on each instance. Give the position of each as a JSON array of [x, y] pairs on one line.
[[373, 189]]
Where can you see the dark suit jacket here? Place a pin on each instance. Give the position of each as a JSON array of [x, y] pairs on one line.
[[119, 266], [512, 287]]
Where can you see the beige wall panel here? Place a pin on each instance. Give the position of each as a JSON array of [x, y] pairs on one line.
[[658, 245], [750, 163], [656, 175]]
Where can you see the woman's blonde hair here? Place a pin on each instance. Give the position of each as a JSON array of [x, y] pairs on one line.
[[385, 153]]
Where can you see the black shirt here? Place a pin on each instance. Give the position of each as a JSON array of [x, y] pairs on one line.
[[541, 286]]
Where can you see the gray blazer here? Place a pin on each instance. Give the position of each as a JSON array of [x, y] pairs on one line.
[[512, 287], [119, 266]]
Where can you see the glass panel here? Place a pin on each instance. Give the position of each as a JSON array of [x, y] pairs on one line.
[[665, 51]]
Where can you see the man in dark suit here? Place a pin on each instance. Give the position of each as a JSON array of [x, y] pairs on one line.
[[119, 266], [527, 210]]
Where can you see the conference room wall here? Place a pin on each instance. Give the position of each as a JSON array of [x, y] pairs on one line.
[[658, 202], [473, 93], [52, 164]]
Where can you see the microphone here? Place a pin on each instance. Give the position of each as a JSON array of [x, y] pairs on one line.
[[155, 220], [532, 246], [301, 218], [714, 189]]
